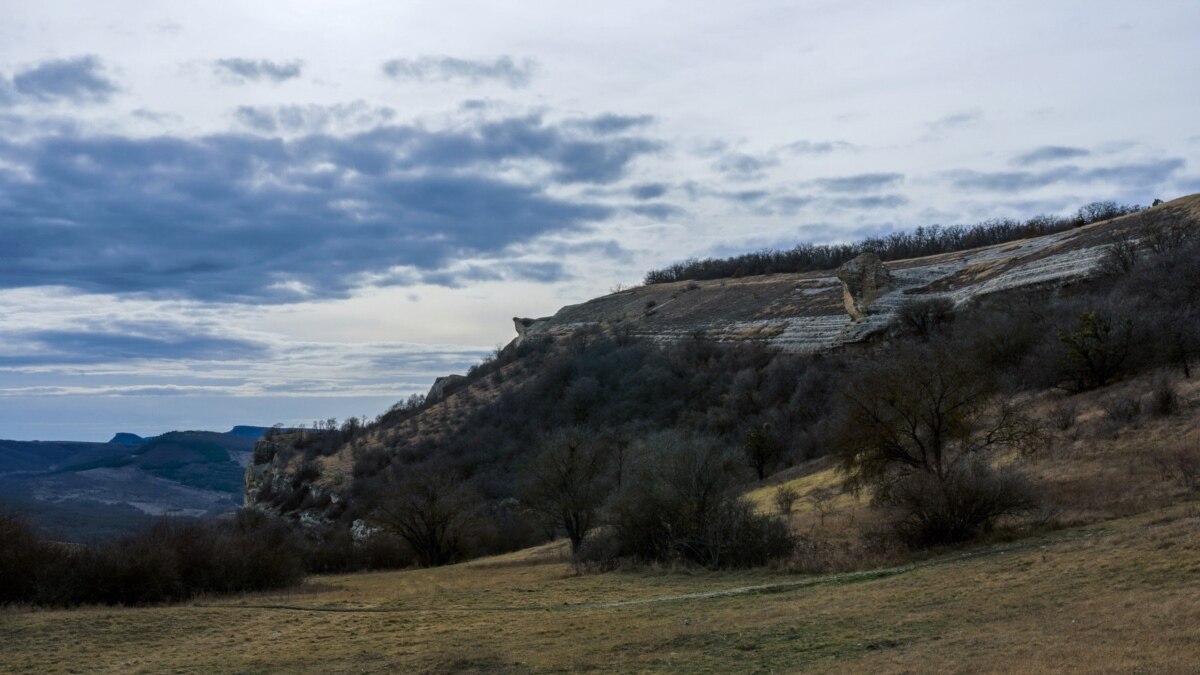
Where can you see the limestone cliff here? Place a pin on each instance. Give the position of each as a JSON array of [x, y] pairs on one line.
[[798, 313]]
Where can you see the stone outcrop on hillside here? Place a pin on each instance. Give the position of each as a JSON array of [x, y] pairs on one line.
[[863, 279], [439, 386], [817, 311], [799, 313]]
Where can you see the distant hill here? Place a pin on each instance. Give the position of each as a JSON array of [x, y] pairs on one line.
[[78, 491], [123, 438]]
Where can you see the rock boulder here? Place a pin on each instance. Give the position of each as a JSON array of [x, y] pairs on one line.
[[864, 279]]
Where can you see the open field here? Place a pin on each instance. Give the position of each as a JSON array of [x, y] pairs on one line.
[[1118, 597]]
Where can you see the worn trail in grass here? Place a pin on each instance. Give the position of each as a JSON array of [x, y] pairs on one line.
[[1123, 597]]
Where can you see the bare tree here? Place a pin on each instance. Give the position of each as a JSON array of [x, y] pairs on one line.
[[429, 510], [568, 480], [918, 431]]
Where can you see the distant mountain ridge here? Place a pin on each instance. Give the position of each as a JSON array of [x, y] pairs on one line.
[[78, 490]]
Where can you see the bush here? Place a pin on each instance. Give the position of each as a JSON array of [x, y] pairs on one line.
[[1164, 400], [785, 499], [168, 562], [680, 504], [1063, 415], [1123, 409], [928, 511]]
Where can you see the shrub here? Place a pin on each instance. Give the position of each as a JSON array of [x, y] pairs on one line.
[[168, 562], [1062, 415], [929, 510], [1123, 409], [680, 504], [785, 499], [923, 318], [1164, 400]]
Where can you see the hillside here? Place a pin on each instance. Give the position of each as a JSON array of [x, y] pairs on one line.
[[83, 490], [1104, 581], [643, 359], [807, 312]]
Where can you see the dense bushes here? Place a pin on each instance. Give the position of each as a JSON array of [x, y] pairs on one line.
[[680, 502], [168, 562], [919, 242]]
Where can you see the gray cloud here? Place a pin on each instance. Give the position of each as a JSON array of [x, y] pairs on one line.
[[613, 124], [240, 71], [243, 218], [79, 80], [544, 271], [864, 182], [130, 343], [740, 166], [1049, 153], [657, 211], [954, 121], [648, 190], [816, 147], [504, 70], [1145, 174], [312, 118], [871, 202]]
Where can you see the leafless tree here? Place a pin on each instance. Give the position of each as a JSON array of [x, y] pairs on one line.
[[430, 510], [568, 480]]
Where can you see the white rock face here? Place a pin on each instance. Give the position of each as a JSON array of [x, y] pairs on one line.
[[815, 312]]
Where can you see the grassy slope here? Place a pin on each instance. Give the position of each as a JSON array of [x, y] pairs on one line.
[[1118, 590], [1116, 597]]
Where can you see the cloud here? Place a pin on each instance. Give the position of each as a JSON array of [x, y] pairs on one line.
[[313, 118], [1144, 174], [657, 211], [953, 122], [541, 271], [864, 182], [131, 343], [504, 70], [613, 124], [871, 202], [245, 218], [79, 79], [740, 166], [240, 71], [1049, 153], [816, 147], [648, 190]]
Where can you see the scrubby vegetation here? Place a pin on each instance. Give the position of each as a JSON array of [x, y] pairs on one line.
[[897, 246], [170, 561], [640, 452]]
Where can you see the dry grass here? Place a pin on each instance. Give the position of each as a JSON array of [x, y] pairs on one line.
[[1115, 588], [1118, 598]]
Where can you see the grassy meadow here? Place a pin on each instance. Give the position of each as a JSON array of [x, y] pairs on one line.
[[1121, 596]]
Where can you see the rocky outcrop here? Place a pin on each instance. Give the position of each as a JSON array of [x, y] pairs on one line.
[[527, 328], [864, 279], [438, 390]]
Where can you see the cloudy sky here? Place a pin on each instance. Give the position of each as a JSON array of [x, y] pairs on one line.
[[253, 212]]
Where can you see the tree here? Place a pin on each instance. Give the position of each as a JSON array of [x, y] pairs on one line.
[[924, 318], [1096, 350], [681, 501], [918, 431], [429, 510], [568, 480], [762, 450]]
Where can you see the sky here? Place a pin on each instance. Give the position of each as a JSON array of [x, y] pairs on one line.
[[258, 212]]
